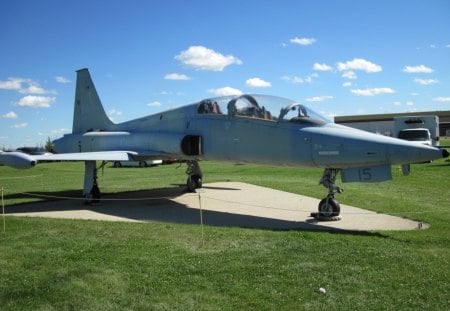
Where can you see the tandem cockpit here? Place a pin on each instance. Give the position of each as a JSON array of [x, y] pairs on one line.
[[262, 107]]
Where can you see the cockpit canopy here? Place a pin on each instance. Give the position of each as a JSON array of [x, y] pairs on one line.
[[264, 107]]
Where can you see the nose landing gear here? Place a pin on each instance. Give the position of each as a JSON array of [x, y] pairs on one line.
[[329, 208]]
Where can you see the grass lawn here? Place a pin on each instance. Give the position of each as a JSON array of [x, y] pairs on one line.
[[50, 264]]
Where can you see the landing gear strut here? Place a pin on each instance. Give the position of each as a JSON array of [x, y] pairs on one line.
[[329, 207], [195, 176], [91, 191]]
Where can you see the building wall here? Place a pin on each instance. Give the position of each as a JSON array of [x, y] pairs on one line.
[[385, 128]]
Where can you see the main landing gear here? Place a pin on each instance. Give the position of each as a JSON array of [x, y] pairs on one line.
[[195, 176], [91, 191], [329, 208]]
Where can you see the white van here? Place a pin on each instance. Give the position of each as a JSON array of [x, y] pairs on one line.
[[420, 135]]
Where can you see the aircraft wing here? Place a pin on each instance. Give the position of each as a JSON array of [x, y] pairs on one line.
[[23, 160]]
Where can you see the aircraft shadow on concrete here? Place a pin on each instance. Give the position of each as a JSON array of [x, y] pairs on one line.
[[210, 187], [156, 205]]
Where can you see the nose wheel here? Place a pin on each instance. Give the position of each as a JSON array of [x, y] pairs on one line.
[[329, 208]]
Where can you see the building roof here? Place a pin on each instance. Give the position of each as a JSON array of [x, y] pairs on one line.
[[444, 116]]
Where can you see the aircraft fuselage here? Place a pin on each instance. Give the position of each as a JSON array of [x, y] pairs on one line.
[[184, 133]]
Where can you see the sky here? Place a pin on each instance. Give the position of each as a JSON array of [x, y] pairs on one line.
[[337, 57]]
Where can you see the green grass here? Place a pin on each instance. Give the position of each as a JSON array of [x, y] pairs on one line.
[[49, 264]]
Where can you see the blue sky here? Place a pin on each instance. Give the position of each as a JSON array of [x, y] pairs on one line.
[[338, 57]]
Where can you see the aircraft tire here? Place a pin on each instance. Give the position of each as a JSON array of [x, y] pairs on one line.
[[198, 181], [194, 182], [191, 184], [329, 207], [94, 195], [117, 164]]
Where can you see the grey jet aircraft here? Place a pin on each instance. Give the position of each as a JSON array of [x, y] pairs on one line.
[[241, 129]]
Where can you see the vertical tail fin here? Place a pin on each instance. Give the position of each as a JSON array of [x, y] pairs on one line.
[[89, 114]]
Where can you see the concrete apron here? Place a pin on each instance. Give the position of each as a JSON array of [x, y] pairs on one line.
[[222, 204]]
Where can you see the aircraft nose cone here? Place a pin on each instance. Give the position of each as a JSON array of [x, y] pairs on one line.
[[445, 153], [407, 152]]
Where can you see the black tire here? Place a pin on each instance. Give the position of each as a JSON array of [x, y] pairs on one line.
[[191, 184], [94, 195], [198, 181], [194, 182], [117, 164], [329, 207]]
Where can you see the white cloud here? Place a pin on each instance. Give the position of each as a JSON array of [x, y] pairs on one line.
[[441, 99], [322, 67], [346, 84], [373, 91], [303, 41], [202, 58], [11, 84], [34, 88], [417, 69], [426, 81], [397, 104], [319, 98], [176, 76], [154, 104], [349, 75], [113, 113], [20, 126], [10, 115], [409, 104], [300, 80], [225, 91], [61, 79], [359, 64], [17, 84], [257, 82], [36, 101]]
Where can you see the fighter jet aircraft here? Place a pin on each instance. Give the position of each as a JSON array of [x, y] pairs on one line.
[[241, 129]]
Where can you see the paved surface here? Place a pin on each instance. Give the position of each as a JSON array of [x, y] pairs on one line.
[[222, 204]]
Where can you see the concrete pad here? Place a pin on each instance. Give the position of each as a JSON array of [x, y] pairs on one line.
[[221, 204]]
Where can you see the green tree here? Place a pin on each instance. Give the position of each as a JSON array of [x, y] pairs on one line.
[[48, 145]]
